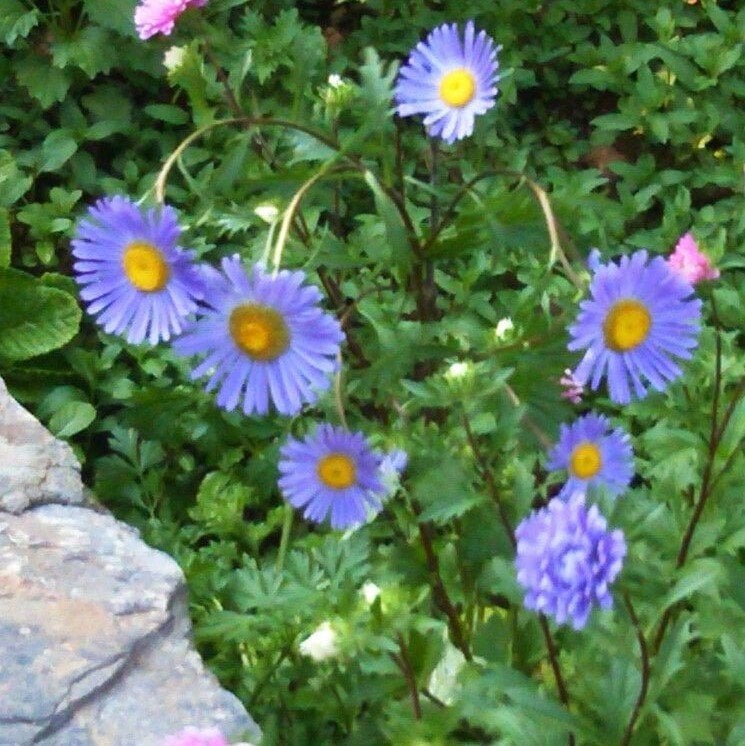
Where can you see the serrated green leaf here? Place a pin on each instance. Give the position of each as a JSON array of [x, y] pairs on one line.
[[91, 49], [117, 15], [34, 319], [16, 21], [47, 84], [444, 494]]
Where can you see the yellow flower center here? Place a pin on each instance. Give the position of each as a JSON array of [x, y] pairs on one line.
[[585, 461], [259, 331], [337, 470], [145, 266], [627, 325], [458, 87]]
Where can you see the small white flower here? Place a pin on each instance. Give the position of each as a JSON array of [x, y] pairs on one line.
[[370, 592], [457, 370], [267, 212], [174, 58], [335, 81], [504, 329], [322, 644]]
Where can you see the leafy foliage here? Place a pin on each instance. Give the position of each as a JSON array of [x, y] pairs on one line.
[[629, 117]]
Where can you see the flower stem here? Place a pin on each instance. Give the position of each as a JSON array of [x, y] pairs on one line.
[[284, 541], [646, 671]]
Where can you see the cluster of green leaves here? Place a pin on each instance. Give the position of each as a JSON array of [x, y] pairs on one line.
[[630, 117]]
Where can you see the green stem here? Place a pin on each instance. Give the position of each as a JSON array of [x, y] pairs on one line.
[[284, 541]]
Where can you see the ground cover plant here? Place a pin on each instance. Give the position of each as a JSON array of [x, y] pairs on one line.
[[414, 332]]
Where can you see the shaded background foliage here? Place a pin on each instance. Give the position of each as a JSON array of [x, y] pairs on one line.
[[630, 116]]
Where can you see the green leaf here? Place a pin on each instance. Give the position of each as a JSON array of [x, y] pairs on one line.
[[444, 493], [117, 15], [47, 84], [34, 319], [92, 50], [5, 240], [167, 113], [71, 418], [700, 574], [395, 230], [58, 147], [16, 21]]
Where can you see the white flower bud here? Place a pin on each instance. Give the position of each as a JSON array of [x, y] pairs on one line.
[[322, 644], [174, 58], [267, 212], [370, 592], [457, 370], [504, 329]]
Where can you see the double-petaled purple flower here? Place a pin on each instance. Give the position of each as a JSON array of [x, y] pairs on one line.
[[567, 559]]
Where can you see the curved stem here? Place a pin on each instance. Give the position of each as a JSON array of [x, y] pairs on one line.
[[553, 657], [488, 476], [330, 142], [289, 214], [556, 251], [536, 429], [439, 592], [646, 672], [403, 661]]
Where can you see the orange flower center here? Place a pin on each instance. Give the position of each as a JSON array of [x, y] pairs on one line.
[[145, 266], [337, 470], [259, 331], [627, 325], [585, 461]]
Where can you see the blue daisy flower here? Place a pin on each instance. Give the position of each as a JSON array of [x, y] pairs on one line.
[[566, 560], [331, 473], [593, 454], [449, 80], [264, 338], [133, 275], [640, 316]]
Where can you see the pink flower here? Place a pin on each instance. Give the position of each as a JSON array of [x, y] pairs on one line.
[[159, 16], [194, 737], [573, 389], [690, 263]]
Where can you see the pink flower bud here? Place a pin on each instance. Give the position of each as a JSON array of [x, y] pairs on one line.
[[159, 16], [573, 389], [690, 263]]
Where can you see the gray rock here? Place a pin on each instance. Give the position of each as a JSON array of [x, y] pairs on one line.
[[94, 624], [35, 467]]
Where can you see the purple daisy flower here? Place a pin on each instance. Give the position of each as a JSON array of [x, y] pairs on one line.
[[449, 80], [566, 560], [264, 338], [332, 472], [593, 454], [639, 317], [133, 275]]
